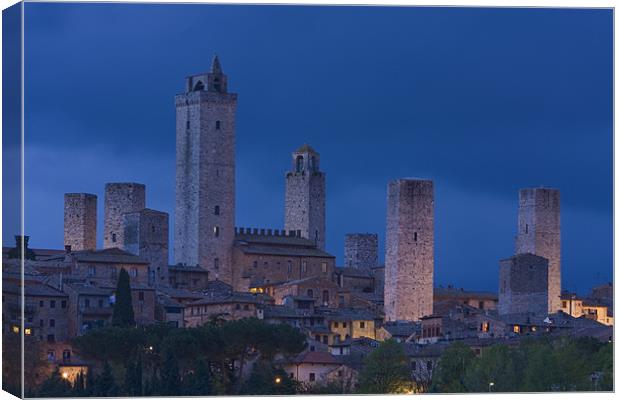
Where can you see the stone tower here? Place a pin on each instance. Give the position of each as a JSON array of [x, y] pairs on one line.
[[305, 196], [120, 198], [523, 285], [205, 173], [145, 234], [360, 250], [539, 233], [81, 221], [409, 259]]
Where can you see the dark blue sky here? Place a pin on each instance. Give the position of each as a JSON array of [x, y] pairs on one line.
[[482, 101]]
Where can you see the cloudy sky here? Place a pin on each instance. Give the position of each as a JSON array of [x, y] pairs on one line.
[[482, 101]]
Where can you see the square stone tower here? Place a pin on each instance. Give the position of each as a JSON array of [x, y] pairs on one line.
[[81, 221], [145, 234], [304, 203], [204, 229], [409, 247], [523, 285], [539, 233], [120, 198], [361, 250]]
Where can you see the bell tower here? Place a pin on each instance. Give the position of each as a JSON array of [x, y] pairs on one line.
[[205, 173], [305, 196]]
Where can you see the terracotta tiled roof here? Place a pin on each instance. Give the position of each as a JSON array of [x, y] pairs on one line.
[[315, 357]]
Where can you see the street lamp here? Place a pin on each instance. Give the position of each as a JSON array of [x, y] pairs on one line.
[[278, 380], [491, 384]]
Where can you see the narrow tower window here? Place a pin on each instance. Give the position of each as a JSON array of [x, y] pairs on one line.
[[299, 166], [216, 263], [216, 211], [199, 86], [218, 125], [325, 297], [527, 228], [114, 238], [216, 231], [415, 236], [187, 125]]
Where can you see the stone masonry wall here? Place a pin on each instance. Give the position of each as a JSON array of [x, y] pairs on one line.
[[120, 198], [539, 233], [409, 260], [360, 250], [81, 221], [145, 234], [523, 286]]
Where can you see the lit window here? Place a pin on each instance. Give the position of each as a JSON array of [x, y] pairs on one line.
[[15, 329], [516, 329], [28, 331], [485, 327]]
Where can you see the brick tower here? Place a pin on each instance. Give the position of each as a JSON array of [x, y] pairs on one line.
[[539, 233], [360, 250], [205, 177], [409, 259], [305, 196], [120, 198], [145, 234], [81, 221]]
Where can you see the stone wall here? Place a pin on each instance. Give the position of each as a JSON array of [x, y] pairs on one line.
[[539, 233], [145, 234], [81, 221], [120, 198], [409, 259], [523, 286], [360, 250]]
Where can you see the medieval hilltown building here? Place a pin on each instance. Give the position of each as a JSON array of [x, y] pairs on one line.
[[284, 274]]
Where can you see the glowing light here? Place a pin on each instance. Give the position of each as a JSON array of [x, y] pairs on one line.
[[28, 331], [278, 380], [65, 375], [15, 329], [151, 348]]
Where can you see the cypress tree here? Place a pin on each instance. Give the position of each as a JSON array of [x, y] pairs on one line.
[[122, 314], [104, 384], [169, 384]]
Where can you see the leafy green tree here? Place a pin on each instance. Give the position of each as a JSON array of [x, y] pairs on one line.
[[133, 377], [55, 386], [198, 381], [268, 380], [386, 370], [122, 313], [449, 376], [494, 370], [169, 381], [113, 344], [105, 385], [603, 363]]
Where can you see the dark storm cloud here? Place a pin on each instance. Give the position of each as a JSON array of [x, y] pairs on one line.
[[483, 101]]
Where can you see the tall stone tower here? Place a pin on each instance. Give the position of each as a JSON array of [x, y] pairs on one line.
[[81, 221], [360, 250], [409, 258], [539, 233], [305, 196], [523, 286], [120, 198], [205, 178], [145, 234]]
